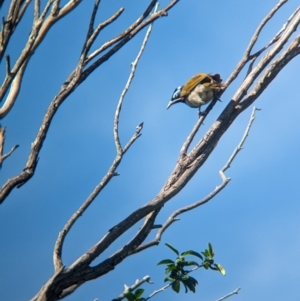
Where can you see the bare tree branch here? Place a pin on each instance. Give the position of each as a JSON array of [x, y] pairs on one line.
[[39, 30], [14, 16], [91, 37], [119, 106], [247, 56], [271, 72], [76, 77], [235, 292], [121, 36]]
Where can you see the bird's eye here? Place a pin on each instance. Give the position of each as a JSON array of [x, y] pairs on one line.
[[176, 93]]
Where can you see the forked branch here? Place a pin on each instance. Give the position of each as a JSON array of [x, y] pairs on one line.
[[77, 76]]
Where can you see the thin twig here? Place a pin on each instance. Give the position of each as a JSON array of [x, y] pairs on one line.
[[271, 72], [113, 41], [159, 291], [46, 9], [241, 143], [130, 78], [133, 287], [246, 57], [254, 56], [235, 292], [38, 32], [2, 139], [169, 284], [15, 14], [277, 36], [126, 36], [92, 20], [196, 127], [91, 36], [37, 10]]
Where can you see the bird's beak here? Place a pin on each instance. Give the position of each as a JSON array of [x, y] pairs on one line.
[[169, 104], [173, 101]]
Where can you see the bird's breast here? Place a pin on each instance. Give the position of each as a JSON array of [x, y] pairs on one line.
[[199, 96]]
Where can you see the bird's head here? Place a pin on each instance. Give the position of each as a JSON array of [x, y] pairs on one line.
[[175, 97]]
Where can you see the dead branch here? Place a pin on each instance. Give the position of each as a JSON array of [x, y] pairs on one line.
[[39, 30], [235, 292], [14, 16], [77, 76], [247, 56]]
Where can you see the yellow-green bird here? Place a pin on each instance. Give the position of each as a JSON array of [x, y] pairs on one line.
[[198, 90]]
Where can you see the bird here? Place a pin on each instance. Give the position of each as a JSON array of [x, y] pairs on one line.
[[198, 90]]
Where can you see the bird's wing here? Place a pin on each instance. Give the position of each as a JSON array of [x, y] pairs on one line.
[[190, 85]]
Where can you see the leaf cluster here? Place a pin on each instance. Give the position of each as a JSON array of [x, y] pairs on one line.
[[177, 273]]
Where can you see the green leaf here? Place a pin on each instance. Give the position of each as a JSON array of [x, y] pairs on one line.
[[185, 287], [210, 250], [190, 285], [138, 293], [168, 279], [166, 261], [179, 260], [193, 280], [206, 264], [221, 269], [129, 296], [176, 286], [172, 248], [170, 269], [189, 263], [191, 252]]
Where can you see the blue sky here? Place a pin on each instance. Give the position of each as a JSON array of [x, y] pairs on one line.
[[253, 224]]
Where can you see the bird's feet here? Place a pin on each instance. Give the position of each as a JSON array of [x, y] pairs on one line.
[[200, 113]]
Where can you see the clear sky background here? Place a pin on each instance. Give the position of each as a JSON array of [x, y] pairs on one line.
[[253, 224]]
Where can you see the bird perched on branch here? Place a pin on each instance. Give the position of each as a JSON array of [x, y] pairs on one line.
[[198, 90]]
